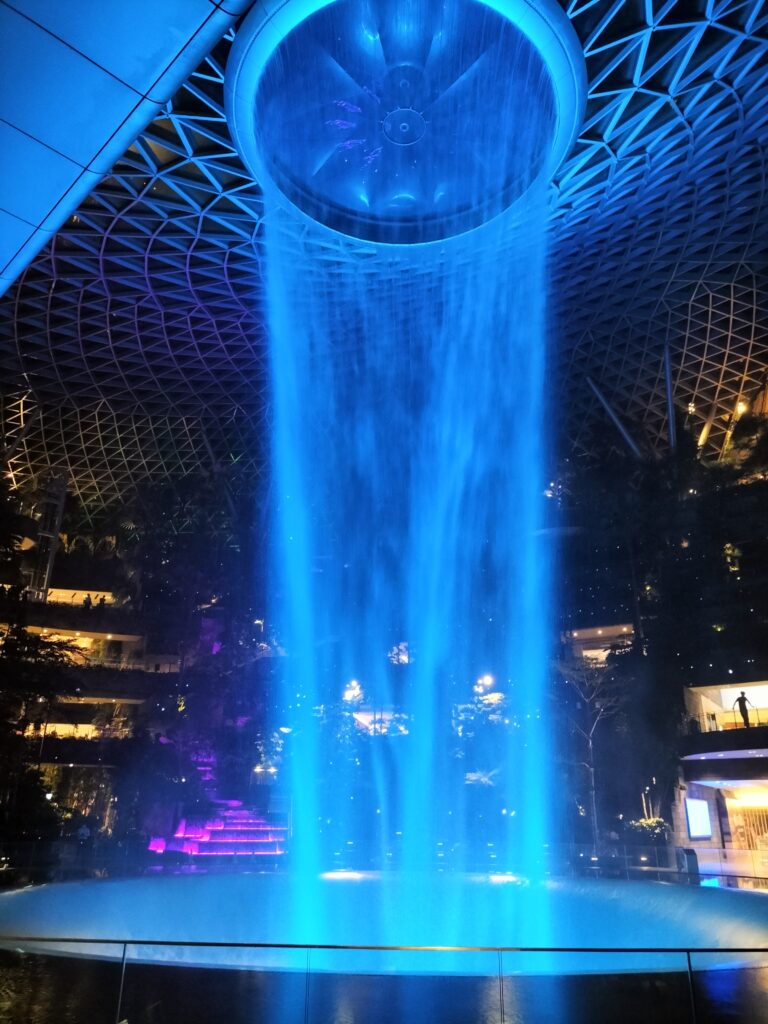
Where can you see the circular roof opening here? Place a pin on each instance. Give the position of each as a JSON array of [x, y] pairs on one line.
[[404, 121]]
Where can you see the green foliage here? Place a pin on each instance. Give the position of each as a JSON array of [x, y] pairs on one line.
[[153, 781], [32, 669], [25, 813], [748, 449], [12, 524], [647, 830]]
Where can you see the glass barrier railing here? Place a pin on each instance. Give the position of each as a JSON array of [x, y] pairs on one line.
[[726, 720], [116, 982]]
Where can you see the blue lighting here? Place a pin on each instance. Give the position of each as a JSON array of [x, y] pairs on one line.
[[408, 507], [482, 98]]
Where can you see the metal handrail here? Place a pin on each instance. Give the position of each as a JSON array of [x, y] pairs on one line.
[[714, 721], [354, 947]]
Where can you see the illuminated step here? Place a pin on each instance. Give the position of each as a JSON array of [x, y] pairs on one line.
[[253, 840], [238, 853], [239, 849], [224, 835], [217, 826], [233, 831], [201, 848]]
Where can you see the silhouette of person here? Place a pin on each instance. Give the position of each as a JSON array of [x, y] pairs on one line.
[[743, 702], [87, 602]]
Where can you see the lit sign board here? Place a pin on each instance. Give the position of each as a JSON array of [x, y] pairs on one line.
[[699, 824]]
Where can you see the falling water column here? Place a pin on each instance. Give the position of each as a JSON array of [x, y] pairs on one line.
[[404, 150], [408, 435]]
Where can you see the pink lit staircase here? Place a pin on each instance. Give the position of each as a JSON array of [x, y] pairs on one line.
[[234, 831]]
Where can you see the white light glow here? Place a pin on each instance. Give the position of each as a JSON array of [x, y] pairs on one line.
[[697, 813]]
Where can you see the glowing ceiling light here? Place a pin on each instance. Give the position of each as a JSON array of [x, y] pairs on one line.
[[353, 692]]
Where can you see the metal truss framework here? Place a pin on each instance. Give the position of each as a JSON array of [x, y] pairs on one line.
[[132, 348]]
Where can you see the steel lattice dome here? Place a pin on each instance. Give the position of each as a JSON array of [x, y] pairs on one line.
[[132, 347]]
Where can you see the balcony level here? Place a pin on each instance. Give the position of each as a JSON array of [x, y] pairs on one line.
[[734, 744]]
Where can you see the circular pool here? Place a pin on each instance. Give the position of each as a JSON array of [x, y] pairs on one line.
[[393, 922]]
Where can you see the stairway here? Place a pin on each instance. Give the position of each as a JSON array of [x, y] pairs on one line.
[[234, 831]]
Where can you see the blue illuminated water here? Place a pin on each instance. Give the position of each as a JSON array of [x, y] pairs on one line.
[[407, 120], [411, 582], [408, 433], [404, 149]]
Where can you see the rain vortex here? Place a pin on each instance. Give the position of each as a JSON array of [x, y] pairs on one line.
[[410, 581]]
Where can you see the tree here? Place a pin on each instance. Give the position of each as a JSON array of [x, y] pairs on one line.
[[33, 670], [748, 449], [154, 781], [594, 695], [184, 552], [12, 524]]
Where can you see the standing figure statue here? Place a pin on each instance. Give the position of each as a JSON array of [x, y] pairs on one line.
[[743, 702]]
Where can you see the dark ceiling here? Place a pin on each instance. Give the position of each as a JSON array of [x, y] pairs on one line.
[[132, 349]]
